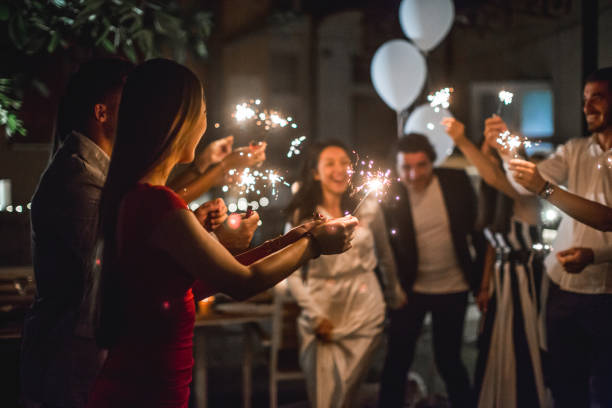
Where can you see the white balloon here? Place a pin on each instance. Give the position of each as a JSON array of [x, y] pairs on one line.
[[398, 73], [426, 120], [426, 22]]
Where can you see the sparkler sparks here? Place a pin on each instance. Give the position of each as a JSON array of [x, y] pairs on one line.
[[295, 144], [513, 144], [268, 119], [375, 182], [505, 98], [256, 181], [440, 98]]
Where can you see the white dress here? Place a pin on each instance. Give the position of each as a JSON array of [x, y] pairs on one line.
[[344, 289]]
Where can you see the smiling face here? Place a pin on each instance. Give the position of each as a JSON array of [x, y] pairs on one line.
[[333, 170], [597, 106], [415, 170]]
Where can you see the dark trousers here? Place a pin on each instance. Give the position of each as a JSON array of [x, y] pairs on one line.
[[579, 333], [448, 316]]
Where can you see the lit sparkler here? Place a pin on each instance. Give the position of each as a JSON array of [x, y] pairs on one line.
[[505, 98], [265, 118], [513, 144], [295, 144], [256, 181], [375, 182], [440, 98]]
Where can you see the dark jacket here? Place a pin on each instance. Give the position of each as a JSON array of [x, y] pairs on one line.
[[461, 206], [59, 359]]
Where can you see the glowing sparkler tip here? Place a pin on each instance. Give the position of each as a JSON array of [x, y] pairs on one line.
[[505, 97], [440, 98]]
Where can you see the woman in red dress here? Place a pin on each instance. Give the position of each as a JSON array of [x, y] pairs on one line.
[[155, 250]]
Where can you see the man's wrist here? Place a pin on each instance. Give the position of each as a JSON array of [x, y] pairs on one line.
[[547, 190]]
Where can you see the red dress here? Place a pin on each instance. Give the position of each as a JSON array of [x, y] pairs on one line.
[[151, 363]]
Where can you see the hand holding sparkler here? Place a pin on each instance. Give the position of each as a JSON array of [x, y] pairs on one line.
[[212, 214], [334, 236], [244, 157], [237, 232], [527, 175], [213, 153], [456, 130]]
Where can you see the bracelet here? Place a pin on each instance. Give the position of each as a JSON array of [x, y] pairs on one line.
[[314, 243], [547, 190]]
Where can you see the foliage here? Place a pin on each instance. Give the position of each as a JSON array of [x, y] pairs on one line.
[[9, 105], [136, 29]]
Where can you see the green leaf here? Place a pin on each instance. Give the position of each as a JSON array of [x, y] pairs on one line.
[[53, 43], [108, 46]]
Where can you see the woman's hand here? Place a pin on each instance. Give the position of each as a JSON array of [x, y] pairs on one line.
[[214, 153], [237, 233], [455, 129], [212, 214], [527, 175], [246, 156], [334, 236], [324, 329]]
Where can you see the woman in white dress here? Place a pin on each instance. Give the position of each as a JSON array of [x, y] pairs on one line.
[[342, 303]]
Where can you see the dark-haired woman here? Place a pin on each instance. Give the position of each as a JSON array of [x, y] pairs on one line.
[[155, 250], [342, 303], [509, 368]]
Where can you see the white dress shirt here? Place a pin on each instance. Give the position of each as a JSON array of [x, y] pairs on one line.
[[574, 164]]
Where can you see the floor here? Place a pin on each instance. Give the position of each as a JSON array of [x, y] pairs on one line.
[[225, 372]]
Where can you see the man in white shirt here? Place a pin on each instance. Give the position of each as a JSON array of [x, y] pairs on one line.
[[579, 305], [431, 224]]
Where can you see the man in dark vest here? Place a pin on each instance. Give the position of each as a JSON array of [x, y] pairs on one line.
[[439, 259]]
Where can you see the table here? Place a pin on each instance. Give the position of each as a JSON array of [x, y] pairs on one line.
[[212, 318]]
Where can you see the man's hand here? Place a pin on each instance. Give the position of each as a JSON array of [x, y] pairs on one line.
[[212, 214], [237, 232], [482, 300], [455, 129], [324, 330], [575, 259], [214, 153], [527, 175]]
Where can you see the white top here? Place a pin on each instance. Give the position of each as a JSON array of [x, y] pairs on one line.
[[574, 164], [438, 270], [349, 277]]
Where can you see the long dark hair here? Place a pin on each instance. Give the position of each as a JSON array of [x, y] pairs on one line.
[[309, 195], [160, 104]]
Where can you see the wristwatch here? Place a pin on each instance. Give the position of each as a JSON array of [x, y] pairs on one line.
[[547, 190]]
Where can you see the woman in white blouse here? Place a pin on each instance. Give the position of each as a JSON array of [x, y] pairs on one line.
[[342, 303]]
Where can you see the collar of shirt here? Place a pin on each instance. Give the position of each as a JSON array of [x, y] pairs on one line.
[[89, 150]]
